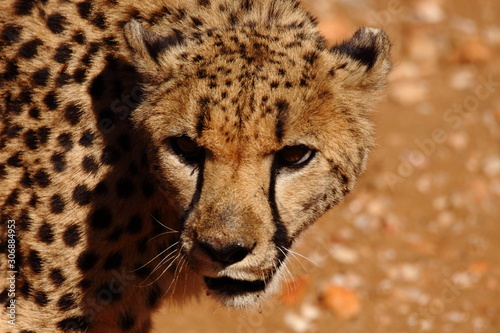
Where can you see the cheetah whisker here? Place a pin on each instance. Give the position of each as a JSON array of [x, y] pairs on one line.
[[295, 254], [159, 254], [166, 227], [287, 271], [176, 276], [163, 233], [163, 272], [164, 260]]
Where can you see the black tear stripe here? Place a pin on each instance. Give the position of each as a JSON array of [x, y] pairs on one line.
[[280, 238], [196, 195]]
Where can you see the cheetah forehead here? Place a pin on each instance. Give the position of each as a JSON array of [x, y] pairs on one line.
[[252, 73]]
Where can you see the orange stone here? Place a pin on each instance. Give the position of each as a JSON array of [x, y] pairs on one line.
[[293, 291], [342, 302]]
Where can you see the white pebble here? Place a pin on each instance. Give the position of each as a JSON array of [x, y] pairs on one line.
[[297, 323], [310, 311], [343, 254]]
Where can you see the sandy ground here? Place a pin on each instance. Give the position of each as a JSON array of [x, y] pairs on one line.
[[416, 247]]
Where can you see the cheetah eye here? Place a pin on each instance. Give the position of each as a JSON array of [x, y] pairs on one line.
[[294, 156], [187, 149]]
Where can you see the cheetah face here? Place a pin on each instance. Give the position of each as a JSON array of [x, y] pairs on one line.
[[253, 146]]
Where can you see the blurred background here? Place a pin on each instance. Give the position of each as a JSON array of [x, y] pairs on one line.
[[416, 247]]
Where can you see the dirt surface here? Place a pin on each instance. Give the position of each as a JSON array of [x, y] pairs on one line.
[[416, 247]]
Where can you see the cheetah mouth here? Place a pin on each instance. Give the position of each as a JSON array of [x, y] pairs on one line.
[[232, 287]]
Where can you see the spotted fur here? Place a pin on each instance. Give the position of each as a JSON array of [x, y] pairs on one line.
[[145, 150]]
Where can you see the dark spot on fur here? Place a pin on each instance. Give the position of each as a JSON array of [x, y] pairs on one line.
[[45, 233], [57, 277], [99, 20], [34, 113], [25, 220], [15, 160], [58, 162], [43, 134], [101, 218], [142, 244], [66, 302], [42, 178], [35, 261], [63, 53], [13, 198], [14, 130], [79, 74], [110, 41], [50, 100], [41, 76], [87, 260], [57, 204], [56, 23], [110, 155], [24, 7], [71, 235], [73, 112], [148, 188], [3, 174], [84, 8], [124, 142], [74, 324], [154, 296], [29, 49], [85, 284], [204, 3], [134, 225], [126, 321], [101, 188], [115, 235], [41, 298], [113, 261], [4, 296], [25, 96], [11, 71], [310, 57], [33, 200], [31, 139], [87, 139], [11, 33], [82, 195], [124, 188], [142, 271], [65, 141], [79, 37], [62, 79], [89, 164]]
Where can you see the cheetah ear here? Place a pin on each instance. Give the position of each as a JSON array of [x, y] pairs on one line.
[[150, 50], [364, 60]]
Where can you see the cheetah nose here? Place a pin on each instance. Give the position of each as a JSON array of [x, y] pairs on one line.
[[226, 254]]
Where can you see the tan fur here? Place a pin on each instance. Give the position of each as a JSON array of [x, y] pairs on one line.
[[109, 217]]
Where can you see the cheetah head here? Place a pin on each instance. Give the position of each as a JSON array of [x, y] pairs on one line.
[[256, 128]]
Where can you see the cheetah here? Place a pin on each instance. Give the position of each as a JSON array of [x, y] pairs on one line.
[[161, 150]]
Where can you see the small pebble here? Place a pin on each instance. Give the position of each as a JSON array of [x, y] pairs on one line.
[[343, 254], [342, 302], [429, 11]]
